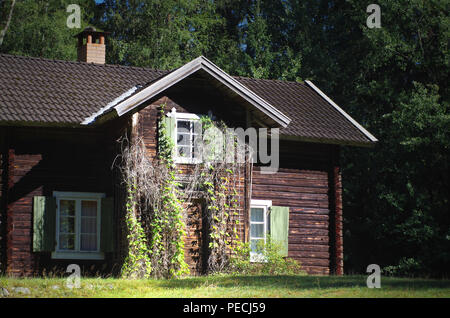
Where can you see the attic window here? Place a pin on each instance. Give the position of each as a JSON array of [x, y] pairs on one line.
[[186, 136]]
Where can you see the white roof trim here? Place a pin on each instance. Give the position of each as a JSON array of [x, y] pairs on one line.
[[244, 92], [91, 119], [179, 74], [354, 122]]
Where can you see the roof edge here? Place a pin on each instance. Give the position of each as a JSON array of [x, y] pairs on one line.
[[340, 110], [285, 119], [200, 63], [327, 141], [92, 118]]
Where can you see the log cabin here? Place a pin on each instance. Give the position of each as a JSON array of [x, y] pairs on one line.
[[59, 126]]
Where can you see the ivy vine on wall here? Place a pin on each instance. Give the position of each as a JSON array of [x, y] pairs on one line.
[[157, 202]]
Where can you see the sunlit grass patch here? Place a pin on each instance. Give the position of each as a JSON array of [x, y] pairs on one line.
[[227, 286]]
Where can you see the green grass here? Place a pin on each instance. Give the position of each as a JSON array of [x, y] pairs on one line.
[[231, 286]]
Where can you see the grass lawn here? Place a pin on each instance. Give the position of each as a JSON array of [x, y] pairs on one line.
[[229, 287]]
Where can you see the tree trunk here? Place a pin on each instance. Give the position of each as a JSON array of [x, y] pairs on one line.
[[8, 21]]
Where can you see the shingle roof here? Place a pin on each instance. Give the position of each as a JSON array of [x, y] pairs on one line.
[[36, 90], [52, 91], [312, 117]]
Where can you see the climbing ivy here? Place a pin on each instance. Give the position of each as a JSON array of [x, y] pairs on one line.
[[154, 210], [219, 180], [168, 228], [137, 262], [157, 204]]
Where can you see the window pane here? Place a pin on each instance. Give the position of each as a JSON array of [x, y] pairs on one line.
[[256, 246], [89, 208], [67, 225], [88, 225], [257, 230], [257, 215], [88, 231], [184, 151], [67, 242], [183, 126], [196, 140], [88, 217], [67, 207], [183, 140], [88, 242], [197, 127]]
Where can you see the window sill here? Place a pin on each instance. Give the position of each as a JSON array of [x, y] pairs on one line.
[[257, 258], [187, 161], [78, 255]]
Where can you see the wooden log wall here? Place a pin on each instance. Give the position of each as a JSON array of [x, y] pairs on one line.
[[41, 161], [3, 184], [336, 217], [302, 184], [305, 192]]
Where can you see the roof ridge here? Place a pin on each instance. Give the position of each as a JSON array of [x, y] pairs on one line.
[[267, 79], [82, 63], [134, 67]]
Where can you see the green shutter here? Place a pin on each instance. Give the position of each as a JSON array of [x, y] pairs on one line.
[[170, 126], [169, 123], [279, 227], [107, 226], [44, 224]]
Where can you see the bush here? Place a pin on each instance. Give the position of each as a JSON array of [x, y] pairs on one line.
[[273, 262], [407, 267]]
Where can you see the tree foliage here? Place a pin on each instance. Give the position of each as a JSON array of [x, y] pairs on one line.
[[39, 28]]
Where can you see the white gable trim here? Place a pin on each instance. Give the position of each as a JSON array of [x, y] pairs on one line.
[[179, 74], [91, 119], [244, 92], [340, 110]]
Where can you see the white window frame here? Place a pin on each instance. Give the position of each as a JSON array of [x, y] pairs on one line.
[[265, 205], [183, 117], [78, 197]]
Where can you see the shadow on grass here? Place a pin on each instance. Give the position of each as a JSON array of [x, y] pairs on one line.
[[303, 282]]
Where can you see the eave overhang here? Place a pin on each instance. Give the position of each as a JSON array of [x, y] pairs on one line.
[[130, 103]]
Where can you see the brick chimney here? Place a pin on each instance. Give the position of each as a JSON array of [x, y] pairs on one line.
[[91, 46]]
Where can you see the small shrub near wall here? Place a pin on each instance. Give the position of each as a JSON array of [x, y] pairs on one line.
[[273, 262], [407, 267]]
